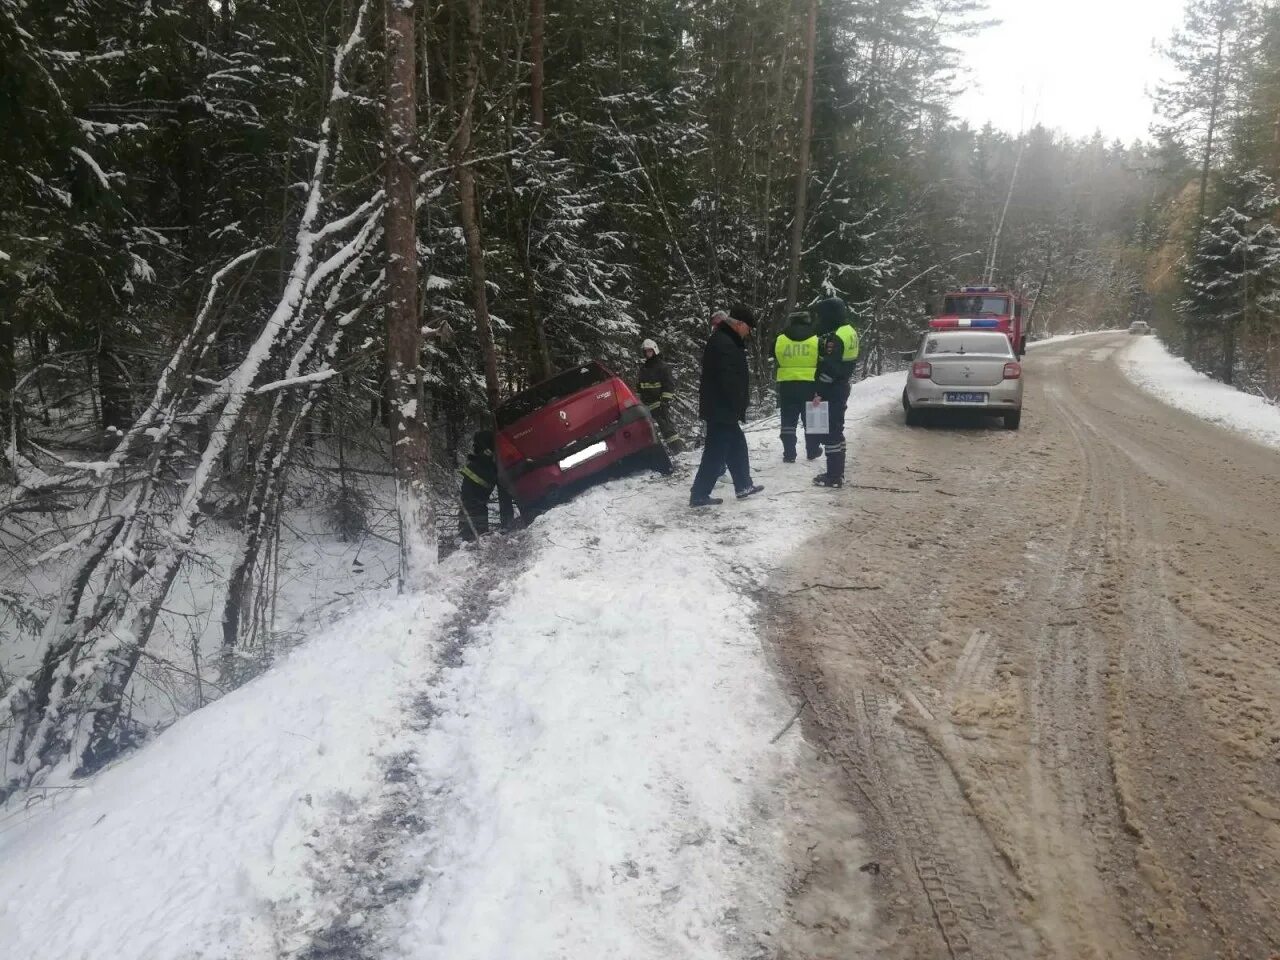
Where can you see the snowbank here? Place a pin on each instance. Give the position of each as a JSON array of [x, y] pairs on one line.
[[1172, 380], [183, 850], [589, 774]]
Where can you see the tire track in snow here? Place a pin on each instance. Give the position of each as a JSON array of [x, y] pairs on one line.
[[362, 872]]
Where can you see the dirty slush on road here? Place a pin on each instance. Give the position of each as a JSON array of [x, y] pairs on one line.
[[1046, 666]]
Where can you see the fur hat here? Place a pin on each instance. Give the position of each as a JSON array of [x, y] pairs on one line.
[[650, 345]]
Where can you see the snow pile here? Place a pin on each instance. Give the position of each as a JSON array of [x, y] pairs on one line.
[[182, 850], [566, 754], [1172, 380]]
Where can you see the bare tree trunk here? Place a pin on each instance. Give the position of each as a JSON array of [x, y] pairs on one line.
[[537, 24], [467, 206], [802, 167], [537, 323], [520, 221], [8, 374], [1044, 281], [113, 387], [1229, 354], [1214, 104], [410, 443], [469, 214]]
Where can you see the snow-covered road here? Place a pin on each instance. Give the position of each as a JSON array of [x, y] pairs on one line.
[[564, 750], [1057, 695]]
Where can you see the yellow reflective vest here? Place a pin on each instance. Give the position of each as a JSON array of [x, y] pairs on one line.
[[797, 359], [849, 338]]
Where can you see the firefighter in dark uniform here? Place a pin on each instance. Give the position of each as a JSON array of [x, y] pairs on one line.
[[837, 357], [796, 353], [479, 477], [657, 388]]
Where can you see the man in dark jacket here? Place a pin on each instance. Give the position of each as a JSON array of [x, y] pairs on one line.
[[657, 389], [722, 402], [837, 357], [796, 354]]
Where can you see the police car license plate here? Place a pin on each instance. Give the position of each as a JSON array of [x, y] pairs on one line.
[[966, 398], [582, 456]]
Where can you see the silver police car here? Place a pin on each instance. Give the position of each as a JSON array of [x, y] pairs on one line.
[[964, 370]]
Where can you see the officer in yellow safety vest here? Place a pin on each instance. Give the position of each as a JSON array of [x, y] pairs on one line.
[[796, 353], [837, 357]]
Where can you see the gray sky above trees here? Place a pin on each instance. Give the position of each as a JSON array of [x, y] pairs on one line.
[[1087, 63]]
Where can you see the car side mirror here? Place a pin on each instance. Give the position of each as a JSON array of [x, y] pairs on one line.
[[906, 355]]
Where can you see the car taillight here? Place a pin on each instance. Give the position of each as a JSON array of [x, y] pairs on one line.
[[1012, 371], [626, 398], [507, 452], [922, 370]]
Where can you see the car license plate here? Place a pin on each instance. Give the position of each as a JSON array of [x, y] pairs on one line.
[[582, 456], [966, 398]]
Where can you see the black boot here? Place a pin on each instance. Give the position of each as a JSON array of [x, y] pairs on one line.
[[789, 449], [834, 477]]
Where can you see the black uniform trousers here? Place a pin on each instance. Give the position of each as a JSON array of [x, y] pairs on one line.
[[473, 515], [792, 397], [837, 396], [726, 445], [666, 429]]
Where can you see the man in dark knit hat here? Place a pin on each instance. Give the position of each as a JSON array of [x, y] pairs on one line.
[[722, 402]]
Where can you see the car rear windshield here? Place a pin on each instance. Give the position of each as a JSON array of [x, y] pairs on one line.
[[968, 344], [562, 385], [976, 306]]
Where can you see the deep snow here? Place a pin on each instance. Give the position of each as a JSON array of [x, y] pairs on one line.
[[1171, 379], [590, 773]]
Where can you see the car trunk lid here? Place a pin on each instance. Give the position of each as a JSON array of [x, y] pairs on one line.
[[959, 370], [572, 405]]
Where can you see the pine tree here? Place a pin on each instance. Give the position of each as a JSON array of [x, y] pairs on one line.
[[1208, 54], [1233, 273]]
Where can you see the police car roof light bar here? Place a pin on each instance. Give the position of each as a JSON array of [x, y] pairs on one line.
[[954, 324]]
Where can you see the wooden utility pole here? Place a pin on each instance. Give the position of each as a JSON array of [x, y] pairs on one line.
[[802, 167], [410, 439]]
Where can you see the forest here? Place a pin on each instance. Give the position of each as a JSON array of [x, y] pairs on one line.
[[244, 245]]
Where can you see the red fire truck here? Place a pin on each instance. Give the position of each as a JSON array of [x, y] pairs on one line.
[[985, 308]]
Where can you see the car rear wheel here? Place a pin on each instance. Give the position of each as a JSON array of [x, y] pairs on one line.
[[1012, 420], [915, 418]]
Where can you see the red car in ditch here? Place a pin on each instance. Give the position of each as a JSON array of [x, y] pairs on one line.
[[582, 425]]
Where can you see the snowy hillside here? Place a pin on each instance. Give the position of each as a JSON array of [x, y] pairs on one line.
[[1171, 379], [563, 750]]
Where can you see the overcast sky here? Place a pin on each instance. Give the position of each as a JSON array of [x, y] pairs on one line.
[[1087, 63]]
